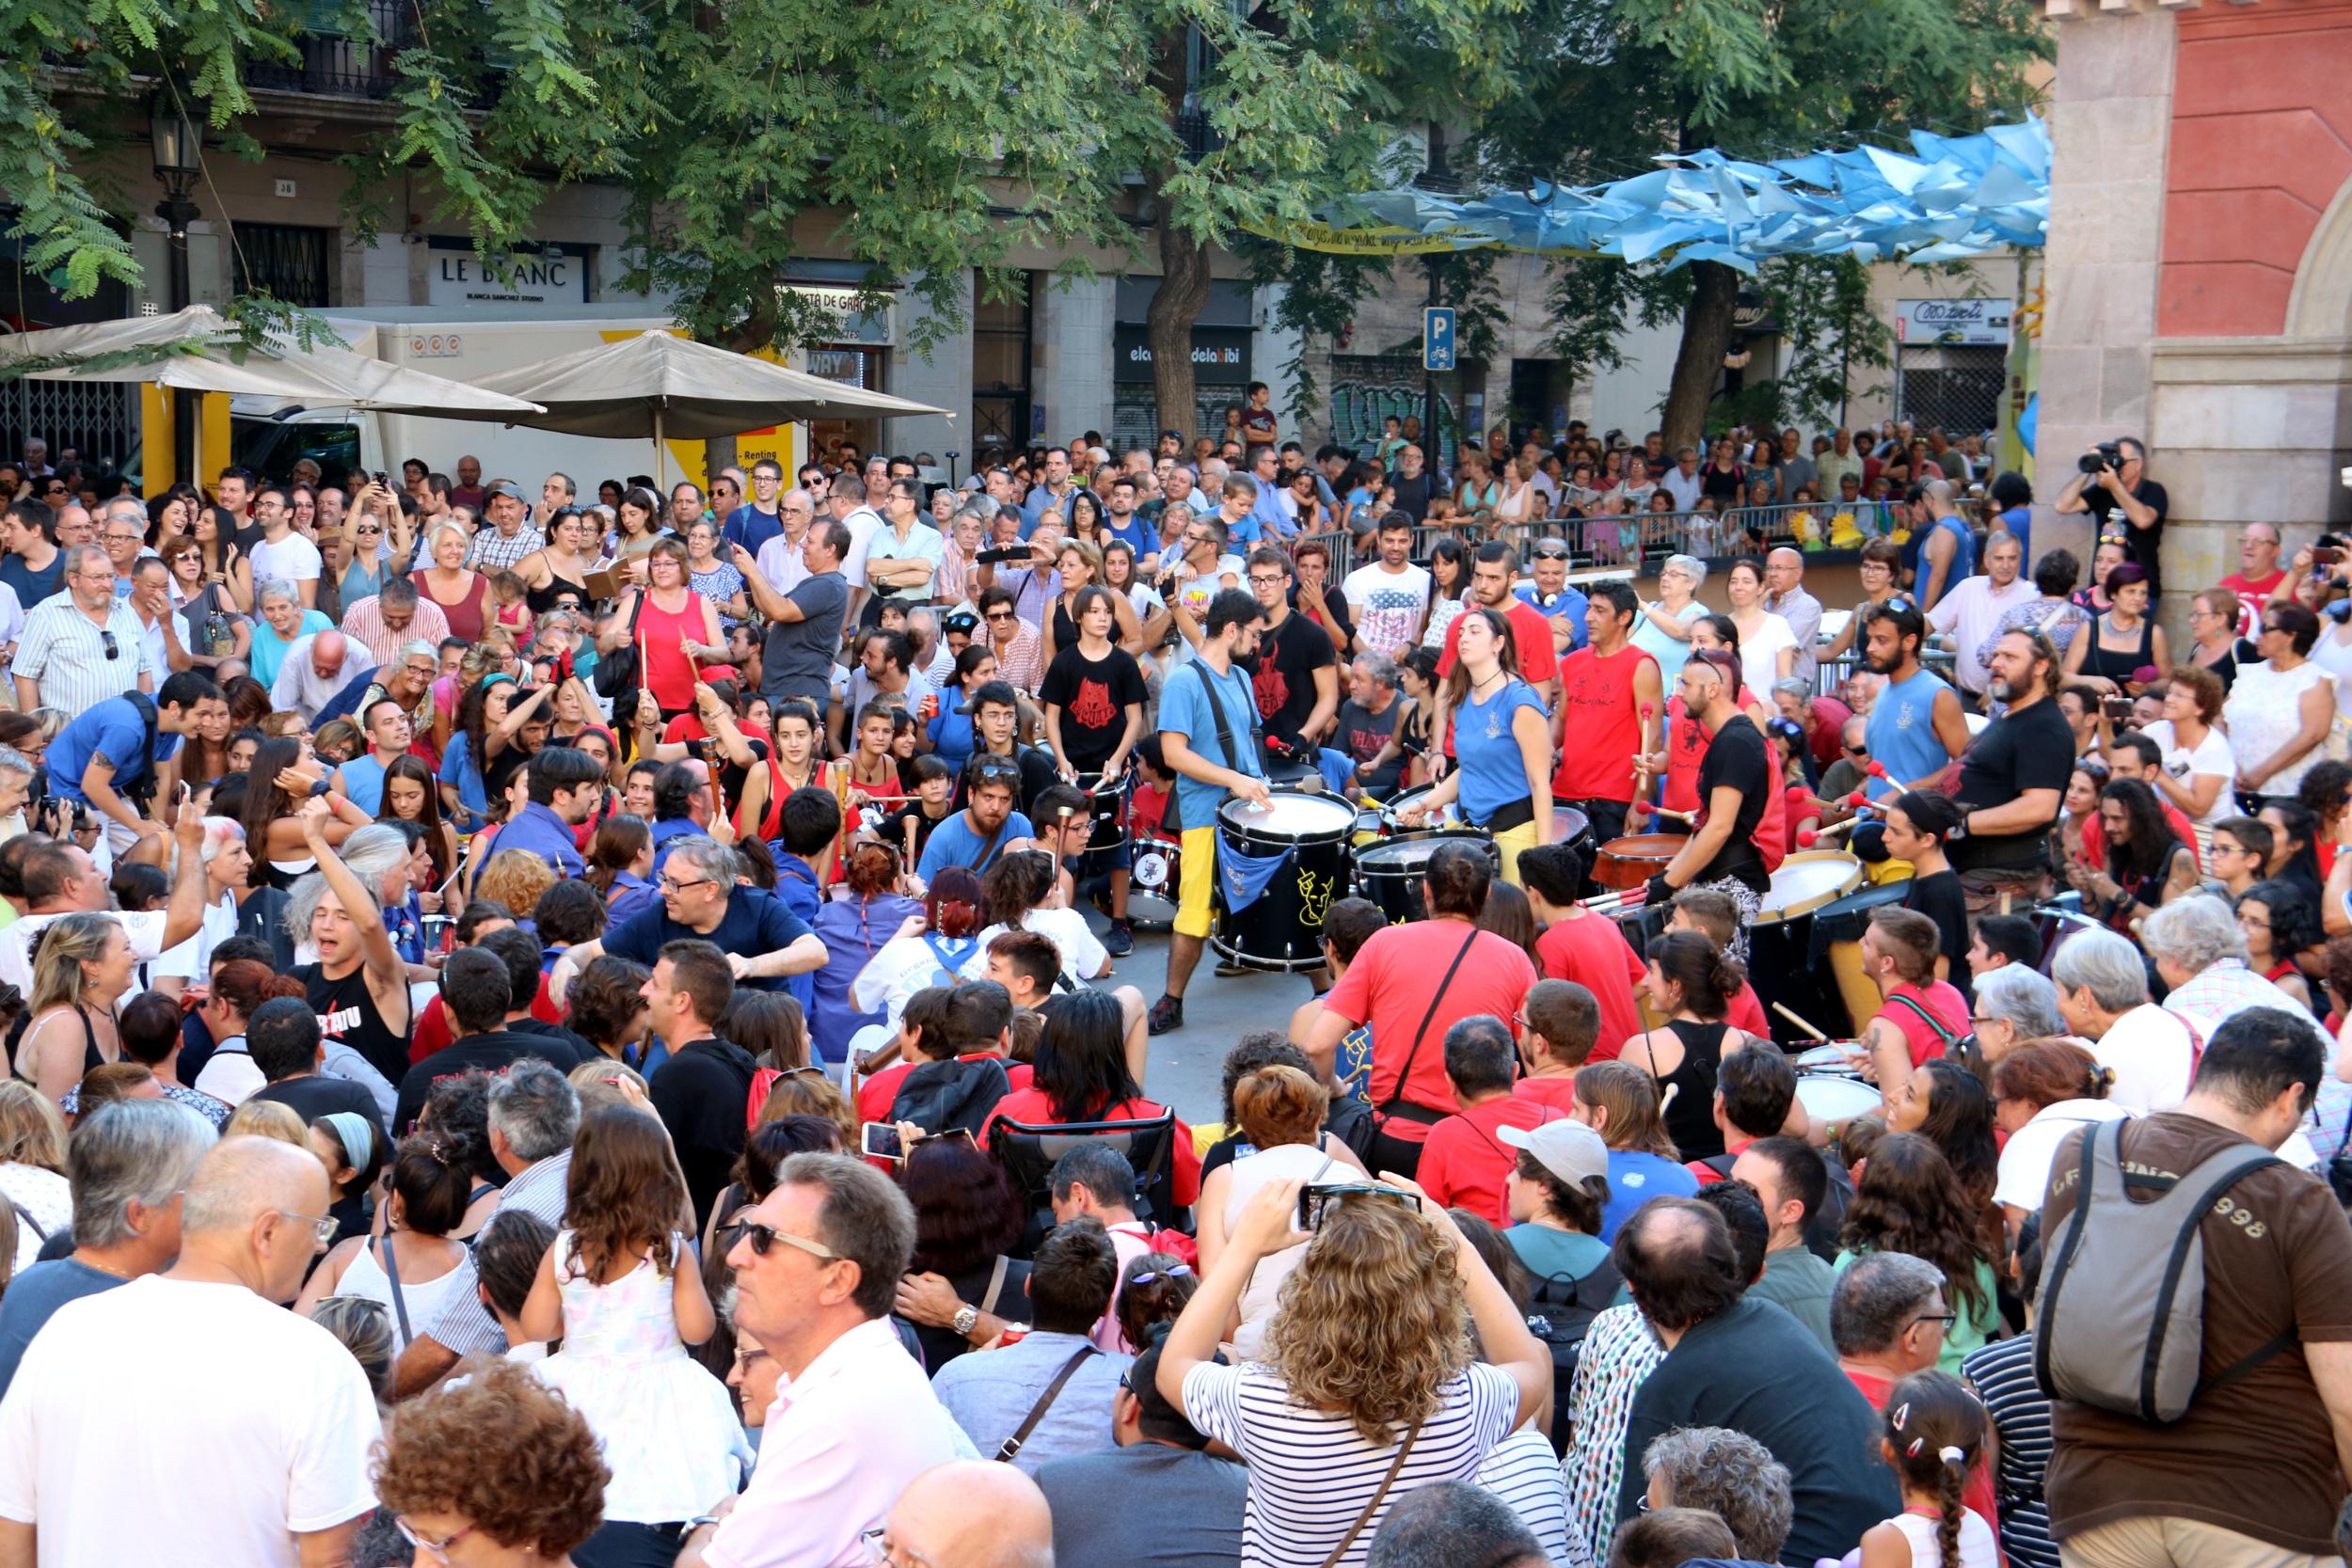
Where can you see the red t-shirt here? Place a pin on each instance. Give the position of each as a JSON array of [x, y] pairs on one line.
[[1597, 694], [2252, 594], [1390, 986], [1591, 950], [1747, 1013], [879, 1093], [1028, 1104], [2095, 838], [1941, 1000], [1707, 1175], [433, 1032], [1559, 1091], [1531, 637], [1463, 1164]]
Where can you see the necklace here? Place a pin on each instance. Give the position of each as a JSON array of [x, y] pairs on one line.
[[1497, 677], [88, 1261]]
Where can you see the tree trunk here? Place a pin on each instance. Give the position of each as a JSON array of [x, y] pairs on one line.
[[1182, 293], [1699, 361]]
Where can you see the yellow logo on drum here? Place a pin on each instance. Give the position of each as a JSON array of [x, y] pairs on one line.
[[1314, 898]]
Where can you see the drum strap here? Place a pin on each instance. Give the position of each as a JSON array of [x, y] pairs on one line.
[[1209, 684], [1928, 1018], [1397, 1103]]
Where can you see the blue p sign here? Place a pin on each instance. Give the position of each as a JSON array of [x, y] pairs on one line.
[[1436, 337]]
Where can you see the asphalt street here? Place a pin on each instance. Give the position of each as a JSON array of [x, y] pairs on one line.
[[1186, 1065]]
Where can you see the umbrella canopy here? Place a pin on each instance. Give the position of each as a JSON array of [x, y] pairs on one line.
[[662, 385], [197, 350]]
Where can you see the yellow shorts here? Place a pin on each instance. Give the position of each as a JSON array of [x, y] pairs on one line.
[[1196, 881], [1508, 844]]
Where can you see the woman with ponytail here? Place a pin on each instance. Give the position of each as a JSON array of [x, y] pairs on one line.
[[1917, 823], [855, 928], [2042, 1091], [1691, 984], [1934, 1434], [929, 948]]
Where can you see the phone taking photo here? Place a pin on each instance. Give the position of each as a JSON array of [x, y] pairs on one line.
[[881, 1140], [1315, 1198]]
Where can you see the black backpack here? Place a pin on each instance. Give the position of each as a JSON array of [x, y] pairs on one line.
[[959, 1093], [1560, 1310]]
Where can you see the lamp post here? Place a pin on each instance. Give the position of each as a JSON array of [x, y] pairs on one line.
[[1438, 179], [178, 143]]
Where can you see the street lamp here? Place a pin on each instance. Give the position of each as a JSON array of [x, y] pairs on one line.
[[179, 145], [1438, 179]]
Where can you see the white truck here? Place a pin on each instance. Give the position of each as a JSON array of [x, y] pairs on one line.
[[457, 343]]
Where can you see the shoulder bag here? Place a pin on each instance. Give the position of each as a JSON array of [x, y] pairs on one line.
[[1396, 1465], [1011, 1445]]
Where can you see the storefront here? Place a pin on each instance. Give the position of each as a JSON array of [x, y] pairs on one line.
[[1950, 356], [1221, 369]]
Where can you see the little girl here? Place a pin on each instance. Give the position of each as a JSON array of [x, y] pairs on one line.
[[514, 616], [622, 1288], [1934, 1432]]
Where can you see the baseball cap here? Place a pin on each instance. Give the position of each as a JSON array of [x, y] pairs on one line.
[[1566, 1148], [507, 487]]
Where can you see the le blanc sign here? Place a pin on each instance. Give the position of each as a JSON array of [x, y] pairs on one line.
[[552, 277], [1952, 320]]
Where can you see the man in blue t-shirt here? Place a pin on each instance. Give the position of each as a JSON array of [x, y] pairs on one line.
[[975, 836], [1915, 727], [1208, 716], [1122, 521], [759, 520], [102, 758], [766, 944]]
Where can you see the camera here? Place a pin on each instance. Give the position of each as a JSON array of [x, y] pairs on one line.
[[2107, 454]]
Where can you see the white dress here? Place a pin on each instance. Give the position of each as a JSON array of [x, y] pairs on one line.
[[2264, 712], [669, 1429], [364, 1276]]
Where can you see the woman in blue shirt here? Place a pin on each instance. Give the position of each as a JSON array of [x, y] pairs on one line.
[[1501, 774], [951, 726]]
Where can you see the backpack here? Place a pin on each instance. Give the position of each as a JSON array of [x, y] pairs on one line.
[[944, 1097], [2122, 1315], [1559, 1311]]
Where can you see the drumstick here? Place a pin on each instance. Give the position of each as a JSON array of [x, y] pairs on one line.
[[1808, 838], [1643, 808], [1640, 768], [1800, 1023]]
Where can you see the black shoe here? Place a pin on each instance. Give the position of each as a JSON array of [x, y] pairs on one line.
[[1119, 939], [1168, 1014]]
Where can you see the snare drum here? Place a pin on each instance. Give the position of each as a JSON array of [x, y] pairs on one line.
[[1391, 874], [1836, 1097], [1281, 927], [1107, 796], [1571, 827], [1632, 860], [1448, 818], [1157, 876]]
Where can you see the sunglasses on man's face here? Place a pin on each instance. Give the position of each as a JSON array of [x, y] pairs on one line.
[[763, 1239]]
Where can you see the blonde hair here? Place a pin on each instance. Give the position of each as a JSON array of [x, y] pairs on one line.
[[806, 1094], [268, 1119], [1373, 1322], [31, 1133], [1276, 1104], [71, 941], [1087, 551], [594, 1080], [1628, 1094], [516, 878]]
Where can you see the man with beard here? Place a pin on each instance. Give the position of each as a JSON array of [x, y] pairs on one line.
[[1916, 724], [1735, 778], [2013, 776]]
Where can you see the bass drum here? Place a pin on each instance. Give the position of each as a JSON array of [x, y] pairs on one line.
[[1391, 874], [1279, 867]]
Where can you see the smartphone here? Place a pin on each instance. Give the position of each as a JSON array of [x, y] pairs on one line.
[[881, 1140], [1316, 1196], [997, 558], [2327, 555]]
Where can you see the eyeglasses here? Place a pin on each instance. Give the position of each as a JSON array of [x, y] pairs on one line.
[[997, 615], [439, 1549], [1551, 554], [322, 1228], [1946, 1318], [1174, 1271], [670, 884], [764, 1237]]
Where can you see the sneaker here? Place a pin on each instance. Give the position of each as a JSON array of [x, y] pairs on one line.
[[1119, 939], [1167, 1013]]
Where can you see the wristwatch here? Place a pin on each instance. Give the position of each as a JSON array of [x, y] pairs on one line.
[[686, 1531], [966, 1320]]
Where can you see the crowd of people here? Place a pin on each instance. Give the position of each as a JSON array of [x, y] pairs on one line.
[[596, 1024]]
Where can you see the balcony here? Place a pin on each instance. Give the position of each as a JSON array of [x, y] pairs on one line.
[[341, 66]]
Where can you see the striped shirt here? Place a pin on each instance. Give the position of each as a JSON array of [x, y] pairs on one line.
[[64, 653], [493, 551], [1312, 1474], [1526, 1475], [2002, 1376], [464, 1324]]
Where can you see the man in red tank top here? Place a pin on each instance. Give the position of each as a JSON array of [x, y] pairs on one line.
[[1612, 706]]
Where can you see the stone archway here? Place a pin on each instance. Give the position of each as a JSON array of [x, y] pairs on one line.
[[2320, 305]]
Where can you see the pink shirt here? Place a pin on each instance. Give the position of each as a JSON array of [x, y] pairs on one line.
[[1130, 1240], [842, 1441]]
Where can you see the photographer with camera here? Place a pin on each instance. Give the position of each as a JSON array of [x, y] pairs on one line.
[[2113, 486]]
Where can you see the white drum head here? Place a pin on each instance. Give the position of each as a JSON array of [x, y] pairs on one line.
[[1827, 1097], [1292, 815], [1799, 880]]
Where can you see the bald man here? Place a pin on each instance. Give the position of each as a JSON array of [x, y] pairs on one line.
[[315, 670], [970, 1514], [280, 1408]]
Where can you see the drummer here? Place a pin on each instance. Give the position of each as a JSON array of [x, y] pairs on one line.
[[1612, 703], [1735, 780], [1686, 741], [1917, 823], [1502, 776], [1094, 696], [1916, 726], [1208, 722]]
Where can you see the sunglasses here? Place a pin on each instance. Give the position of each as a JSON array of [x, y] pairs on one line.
[[763, 1239], [1002, 615]]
